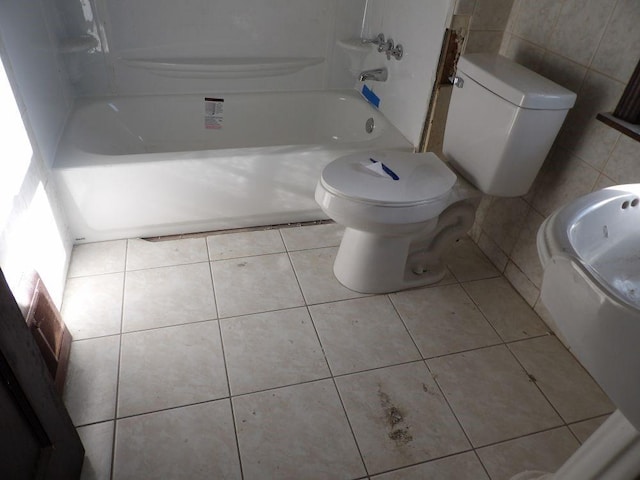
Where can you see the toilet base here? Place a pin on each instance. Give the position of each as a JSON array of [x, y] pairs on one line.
[[375, 263]]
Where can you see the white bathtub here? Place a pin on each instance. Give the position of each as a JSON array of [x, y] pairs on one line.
[[146, 165]]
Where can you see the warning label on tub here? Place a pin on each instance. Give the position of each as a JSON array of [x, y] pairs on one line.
[[213, 113]]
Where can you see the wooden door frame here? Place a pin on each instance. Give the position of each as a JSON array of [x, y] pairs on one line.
[[24, 373]]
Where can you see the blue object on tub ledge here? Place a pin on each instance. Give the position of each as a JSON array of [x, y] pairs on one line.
[[371, 97], [386, 169]]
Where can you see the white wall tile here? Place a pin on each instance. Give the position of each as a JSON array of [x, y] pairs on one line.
[[483, 41], [535, 19], [524, 52], [522, 284], [465, 7], [620, 44], [562, 71], [525, 253], [579, 28], [491, 14], [624, 165], [567, 178], [504, 220]]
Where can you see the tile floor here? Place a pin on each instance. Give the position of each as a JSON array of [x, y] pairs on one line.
[[240, 356]]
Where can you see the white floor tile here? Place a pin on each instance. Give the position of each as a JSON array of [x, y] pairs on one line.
[[361, 334], [143, 254], [171, 367], [168, 296], [312, 236], [464, 466], [244, 244], [195, 442], [545, 452], [274, 349], [255, 284], [97, 440], [296, 432], [443, 320], [583, 430], [567, 385], [492, 395], [90, 388], [314, 269], [505, 309], [467, 262], [290, 420], [399, 417], [92, 306], [97, 258]]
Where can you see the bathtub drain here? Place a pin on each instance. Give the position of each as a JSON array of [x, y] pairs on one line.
[[369, 125]]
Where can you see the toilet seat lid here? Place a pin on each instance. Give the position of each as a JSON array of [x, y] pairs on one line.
[[422, 178]]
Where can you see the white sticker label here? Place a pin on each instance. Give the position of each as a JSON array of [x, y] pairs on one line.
[[213, 113]]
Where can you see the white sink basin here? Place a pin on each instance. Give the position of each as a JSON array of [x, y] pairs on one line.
[[590, 251]]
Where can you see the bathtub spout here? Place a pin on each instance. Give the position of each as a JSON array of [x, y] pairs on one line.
[[377, 75]]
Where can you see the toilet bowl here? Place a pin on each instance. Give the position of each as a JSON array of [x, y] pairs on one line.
[[401, 210], [395, 229]]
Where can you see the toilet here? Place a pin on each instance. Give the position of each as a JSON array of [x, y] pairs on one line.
[[402, 210]]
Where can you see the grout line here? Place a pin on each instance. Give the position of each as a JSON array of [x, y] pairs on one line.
[[533, 380], [547, 39], [486, 471], [346, 416], [606, 162], [159, 327], [93, 275], [224, 359], [333, 380], [604, 31], [173, 265], [525, 435], [433, 377], [115, 412], [333, 376], [167, 409], [167, 266], [233, 415], [424, 462]]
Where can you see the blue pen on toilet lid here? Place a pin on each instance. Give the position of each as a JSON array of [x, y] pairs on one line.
[[386, 169]]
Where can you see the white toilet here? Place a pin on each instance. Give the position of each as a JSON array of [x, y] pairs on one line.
[[401, 210]]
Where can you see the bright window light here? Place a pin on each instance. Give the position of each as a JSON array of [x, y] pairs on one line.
[[15, 147]]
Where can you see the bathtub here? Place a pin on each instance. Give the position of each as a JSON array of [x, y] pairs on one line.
[[145, 166]]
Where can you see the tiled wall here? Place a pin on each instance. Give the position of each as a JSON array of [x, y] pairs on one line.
[[488, 22], [590, 47]]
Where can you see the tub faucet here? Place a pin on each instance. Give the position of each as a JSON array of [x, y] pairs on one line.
[[377, 75]]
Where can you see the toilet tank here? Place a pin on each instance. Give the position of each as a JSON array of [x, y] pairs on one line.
[[502, 121]]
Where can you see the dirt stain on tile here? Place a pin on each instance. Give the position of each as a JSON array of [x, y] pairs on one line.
[[395, 420], [426, 390], [242, 264], [401, 436]]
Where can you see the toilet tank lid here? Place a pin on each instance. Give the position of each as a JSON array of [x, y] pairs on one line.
[[421, 178], [515, 83]]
